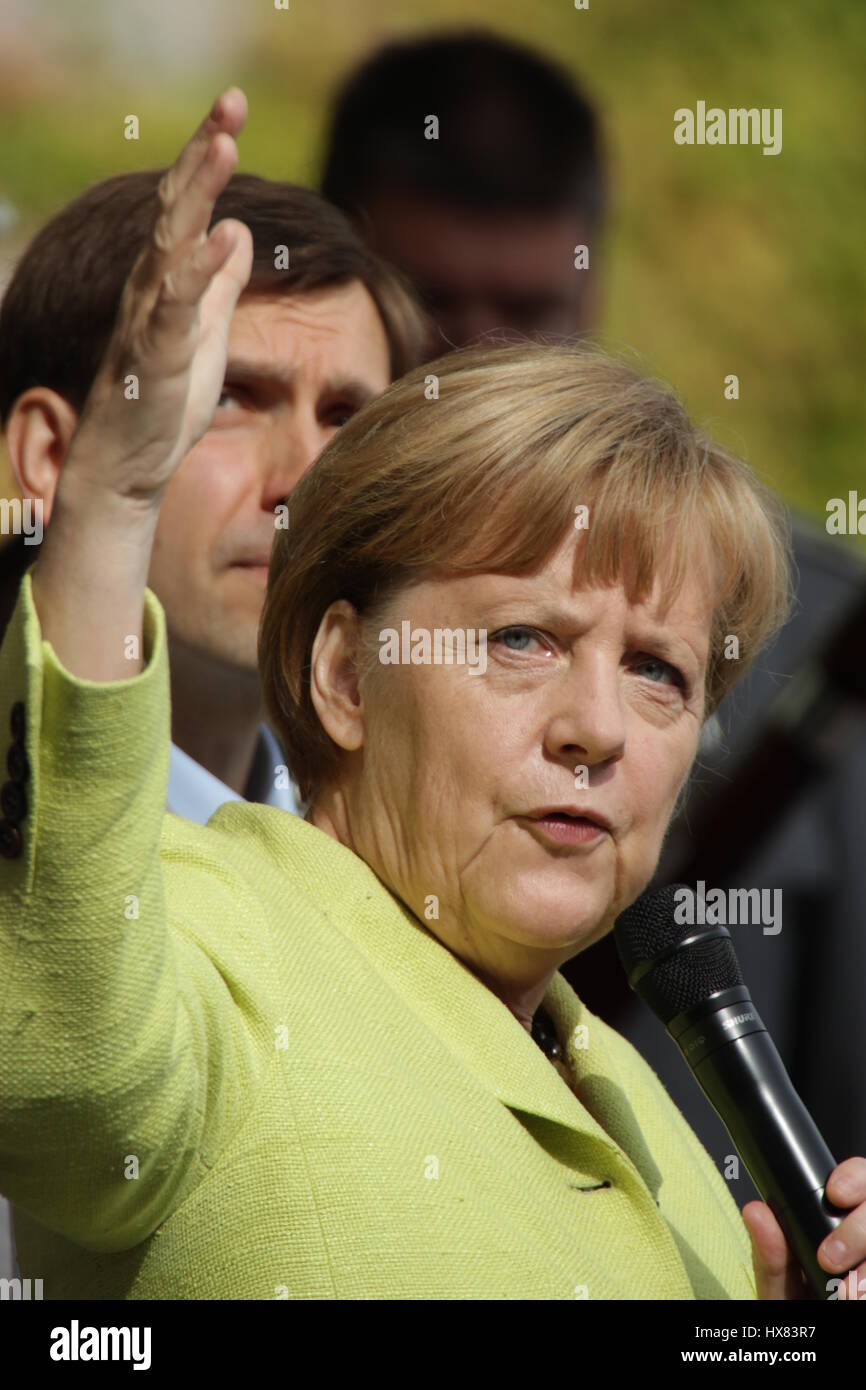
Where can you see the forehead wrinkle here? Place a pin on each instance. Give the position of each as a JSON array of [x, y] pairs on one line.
[[321, 310]]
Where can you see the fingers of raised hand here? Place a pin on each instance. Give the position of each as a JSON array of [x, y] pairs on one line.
[[188, 191], [184, 215], [227, 115], [175, 267], [184, 285]]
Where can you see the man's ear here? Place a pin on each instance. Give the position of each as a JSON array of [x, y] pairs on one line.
[[334, 675], [39, 428]]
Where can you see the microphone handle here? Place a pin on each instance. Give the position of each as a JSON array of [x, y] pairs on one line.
[[738, 1067]]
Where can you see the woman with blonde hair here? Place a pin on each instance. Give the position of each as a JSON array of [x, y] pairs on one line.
[[278, 1057]]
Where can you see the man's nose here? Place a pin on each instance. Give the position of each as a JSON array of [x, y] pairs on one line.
[[290, 448]]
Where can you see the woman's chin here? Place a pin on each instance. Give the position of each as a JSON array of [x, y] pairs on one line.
[[525, 894], [554, 919]]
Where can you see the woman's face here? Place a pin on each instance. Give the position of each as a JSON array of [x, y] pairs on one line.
[[455, 763]]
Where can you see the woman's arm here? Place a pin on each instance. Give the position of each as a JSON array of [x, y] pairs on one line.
[[171, 335], [125, 1063]]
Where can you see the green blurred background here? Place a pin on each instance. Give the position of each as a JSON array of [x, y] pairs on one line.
[[717, 259]]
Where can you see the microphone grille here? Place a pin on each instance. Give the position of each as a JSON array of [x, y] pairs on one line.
[[668, 979]]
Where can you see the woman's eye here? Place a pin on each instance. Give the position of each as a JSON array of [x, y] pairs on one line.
[[227, 397], [679, 678], [520, 636]]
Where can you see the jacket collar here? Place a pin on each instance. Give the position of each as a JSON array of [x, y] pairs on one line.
[[462, 1012]]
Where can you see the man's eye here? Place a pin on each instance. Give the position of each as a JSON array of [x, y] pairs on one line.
[[341, 414], [228, 397]]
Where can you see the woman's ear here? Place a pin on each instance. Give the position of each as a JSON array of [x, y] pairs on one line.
[[334, 675], [39, 428]]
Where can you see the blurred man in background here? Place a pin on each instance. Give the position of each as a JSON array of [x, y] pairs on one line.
[[475, 165]]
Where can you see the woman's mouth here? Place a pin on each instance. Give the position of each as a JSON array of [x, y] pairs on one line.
[[565, 829]]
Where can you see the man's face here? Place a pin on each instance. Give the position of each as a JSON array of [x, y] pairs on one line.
[[297, 369], [483, 271]]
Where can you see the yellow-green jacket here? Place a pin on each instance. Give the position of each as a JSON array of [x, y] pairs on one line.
[[233, 1065]]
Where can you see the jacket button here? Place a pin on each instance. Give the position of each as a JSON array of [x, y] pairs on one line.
[[10, 840], [16, 721], [13, 802], [17, 764]]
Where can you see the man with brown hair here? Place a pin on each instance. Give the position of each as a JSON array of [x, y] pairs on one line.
[[322, 326]]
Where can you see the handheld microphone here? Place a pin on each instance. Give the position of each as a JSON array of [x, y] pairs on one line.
[[690, 978]]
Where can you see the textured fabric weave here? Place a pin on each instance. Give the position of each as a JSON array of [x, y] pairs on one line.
[[233, 1065]]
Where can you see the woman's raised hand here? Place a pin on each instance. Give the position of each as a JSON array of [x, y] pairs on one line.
[[172, 327], [171, 336]]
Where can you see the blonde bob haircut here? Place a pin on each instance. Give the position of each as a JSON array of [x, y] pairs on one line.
[[476, 462]]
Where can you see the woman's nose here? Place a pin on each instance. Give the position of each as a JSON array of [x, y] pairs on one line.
[[586, 717]]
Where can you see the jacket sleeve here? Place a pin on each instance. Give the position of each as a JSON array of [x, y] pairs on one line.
[[125, 1064]]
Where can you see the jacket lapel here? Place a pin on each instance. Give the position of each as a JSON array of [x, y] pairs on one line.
[[462, 1012]]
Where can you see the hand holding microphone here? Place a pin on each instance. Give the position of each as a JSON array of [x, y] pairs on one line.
[[778, 1275], [690, 977]]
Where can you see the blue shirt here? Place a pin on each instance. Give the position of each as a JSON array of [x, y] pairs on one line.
[[195, 793]]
